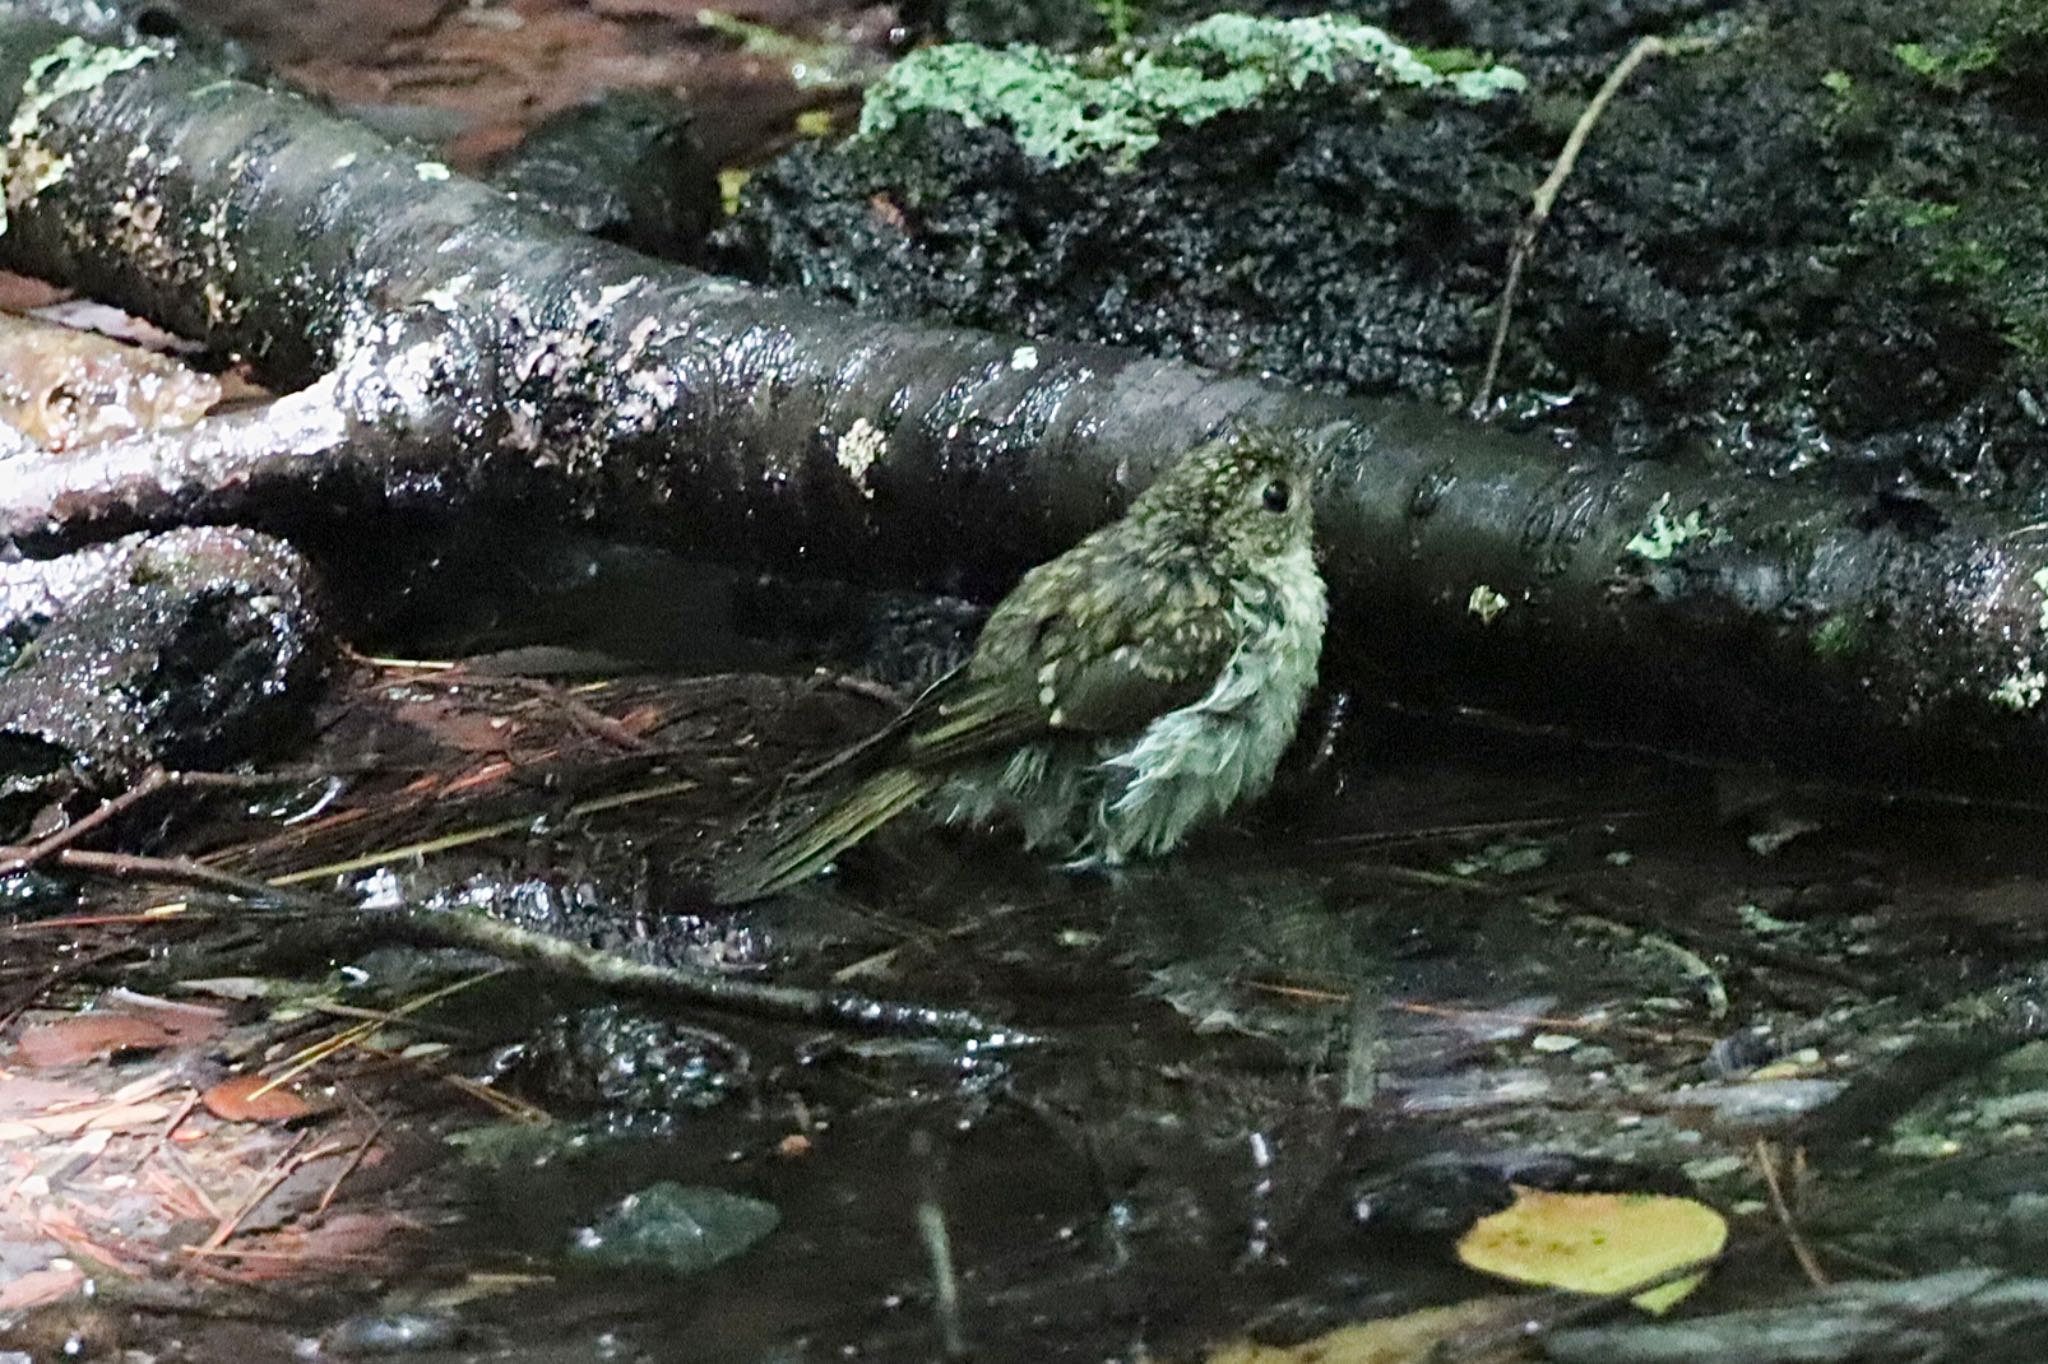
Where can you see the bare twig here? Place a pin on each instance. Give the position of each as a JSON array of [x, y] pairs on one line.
[[155, 780], [938, 1249], [1767, 1164], [280, 1170], [348, 1168], [1545, 197], [169, 871], [560, 959], [585, 716], [565, 960]]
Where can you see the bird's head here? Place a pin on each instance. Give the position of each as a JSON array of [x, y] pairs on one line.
[[1244, 498]]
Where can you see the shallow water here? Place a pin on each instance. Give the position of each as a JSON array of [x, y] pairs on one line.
[[1280, 1074]]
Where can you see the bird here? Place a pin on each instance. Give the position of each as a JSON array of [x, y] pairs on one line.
[[1123, 693]]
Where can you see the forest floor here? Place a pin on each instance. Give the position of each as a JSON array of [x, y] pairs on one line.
[[1252, 1095]]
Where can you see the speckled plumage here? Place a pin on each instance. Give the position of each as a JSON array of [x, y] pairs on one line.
[[1145, 681]]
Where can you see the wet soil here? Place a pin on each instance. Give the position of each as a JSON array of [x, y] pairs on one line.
[[1807, 245]]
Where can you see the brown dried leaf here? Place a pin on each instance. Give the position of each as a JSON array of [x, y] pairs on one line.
[[40, 1287], [237, 1100], [89, 1037]]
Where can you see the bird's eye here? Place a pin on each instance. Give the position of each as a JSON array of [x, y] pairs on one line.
[[1277, 495]]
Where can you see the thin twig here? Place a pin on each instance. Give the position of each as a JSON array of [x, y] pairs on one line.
[[938, 1249], [585, 716], [308, 1057], [1545, 197], [1767, 1163], [155, 780], [353, 1163], [558, 958], [280, 1170], [555, 956], [173, 871], [565, 960], [480, 833]]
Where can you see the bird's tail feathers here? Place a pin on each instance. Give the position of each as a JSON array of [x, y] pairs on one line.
[[806, 848]]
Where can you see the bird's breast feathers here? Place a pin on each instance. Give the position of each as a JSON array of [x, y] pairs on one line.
[[1198, 761]]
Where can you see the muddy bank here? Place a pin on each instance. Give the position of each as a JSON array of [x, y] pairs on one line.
[[1815, 244]]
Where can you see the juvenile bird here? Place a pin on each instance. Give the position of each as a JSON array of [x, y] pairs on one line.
[[1144, 681]]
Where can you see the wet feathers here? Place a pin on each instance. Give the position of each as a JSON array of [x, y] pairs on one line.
[[1144, 681]]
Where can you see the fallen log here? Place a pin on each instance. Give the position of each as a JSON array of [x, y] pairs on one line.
[[451, 351]]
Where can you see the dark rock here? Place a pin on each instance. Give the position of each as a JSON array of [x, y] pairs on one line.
[[626, 167], [612, 1058], [193, 649]]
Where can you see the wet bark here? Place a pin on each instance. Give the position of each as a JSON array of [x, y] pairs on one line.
[[194, 648], [453, 352]]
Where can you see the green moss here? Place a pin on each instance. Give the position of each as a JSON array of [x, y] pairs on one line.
[[1120, 16], [1983, 234], [1115, 104], [1948, 63], [1838, 637], [1913, 213], [73, 67]]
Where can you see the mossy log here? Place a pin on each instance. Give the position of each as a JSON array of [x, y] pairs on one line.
[[446, 350]]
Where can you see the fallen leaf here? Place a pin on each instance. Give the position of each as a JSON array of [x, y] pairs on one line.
[[40, 1287], [23, 1097], [1408, 1339], [1597, 1243], [88, 1037], [112, 1117], [237, 1100]]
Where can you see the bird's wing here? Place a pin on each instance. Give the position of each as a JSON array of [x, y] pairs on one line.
[[964, 717], [1124, 688], [1098, 653]]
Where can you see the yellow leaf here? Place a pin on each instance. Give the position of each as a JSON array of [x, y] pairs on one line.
[[1597, 1243], [1406, 1339], [731, 181]]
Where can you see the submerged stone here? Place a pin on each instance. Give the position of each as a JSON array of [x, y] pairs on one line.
[[611, 1057], [684, 1229]]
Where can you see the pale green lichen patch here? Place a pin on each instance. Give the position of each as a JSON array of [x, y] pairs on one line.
[[1665, 535], [2022, 690], [2040, 581], [1948, 64], [73, 67], [1486, 603], [858, 450], [1116, 103]]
